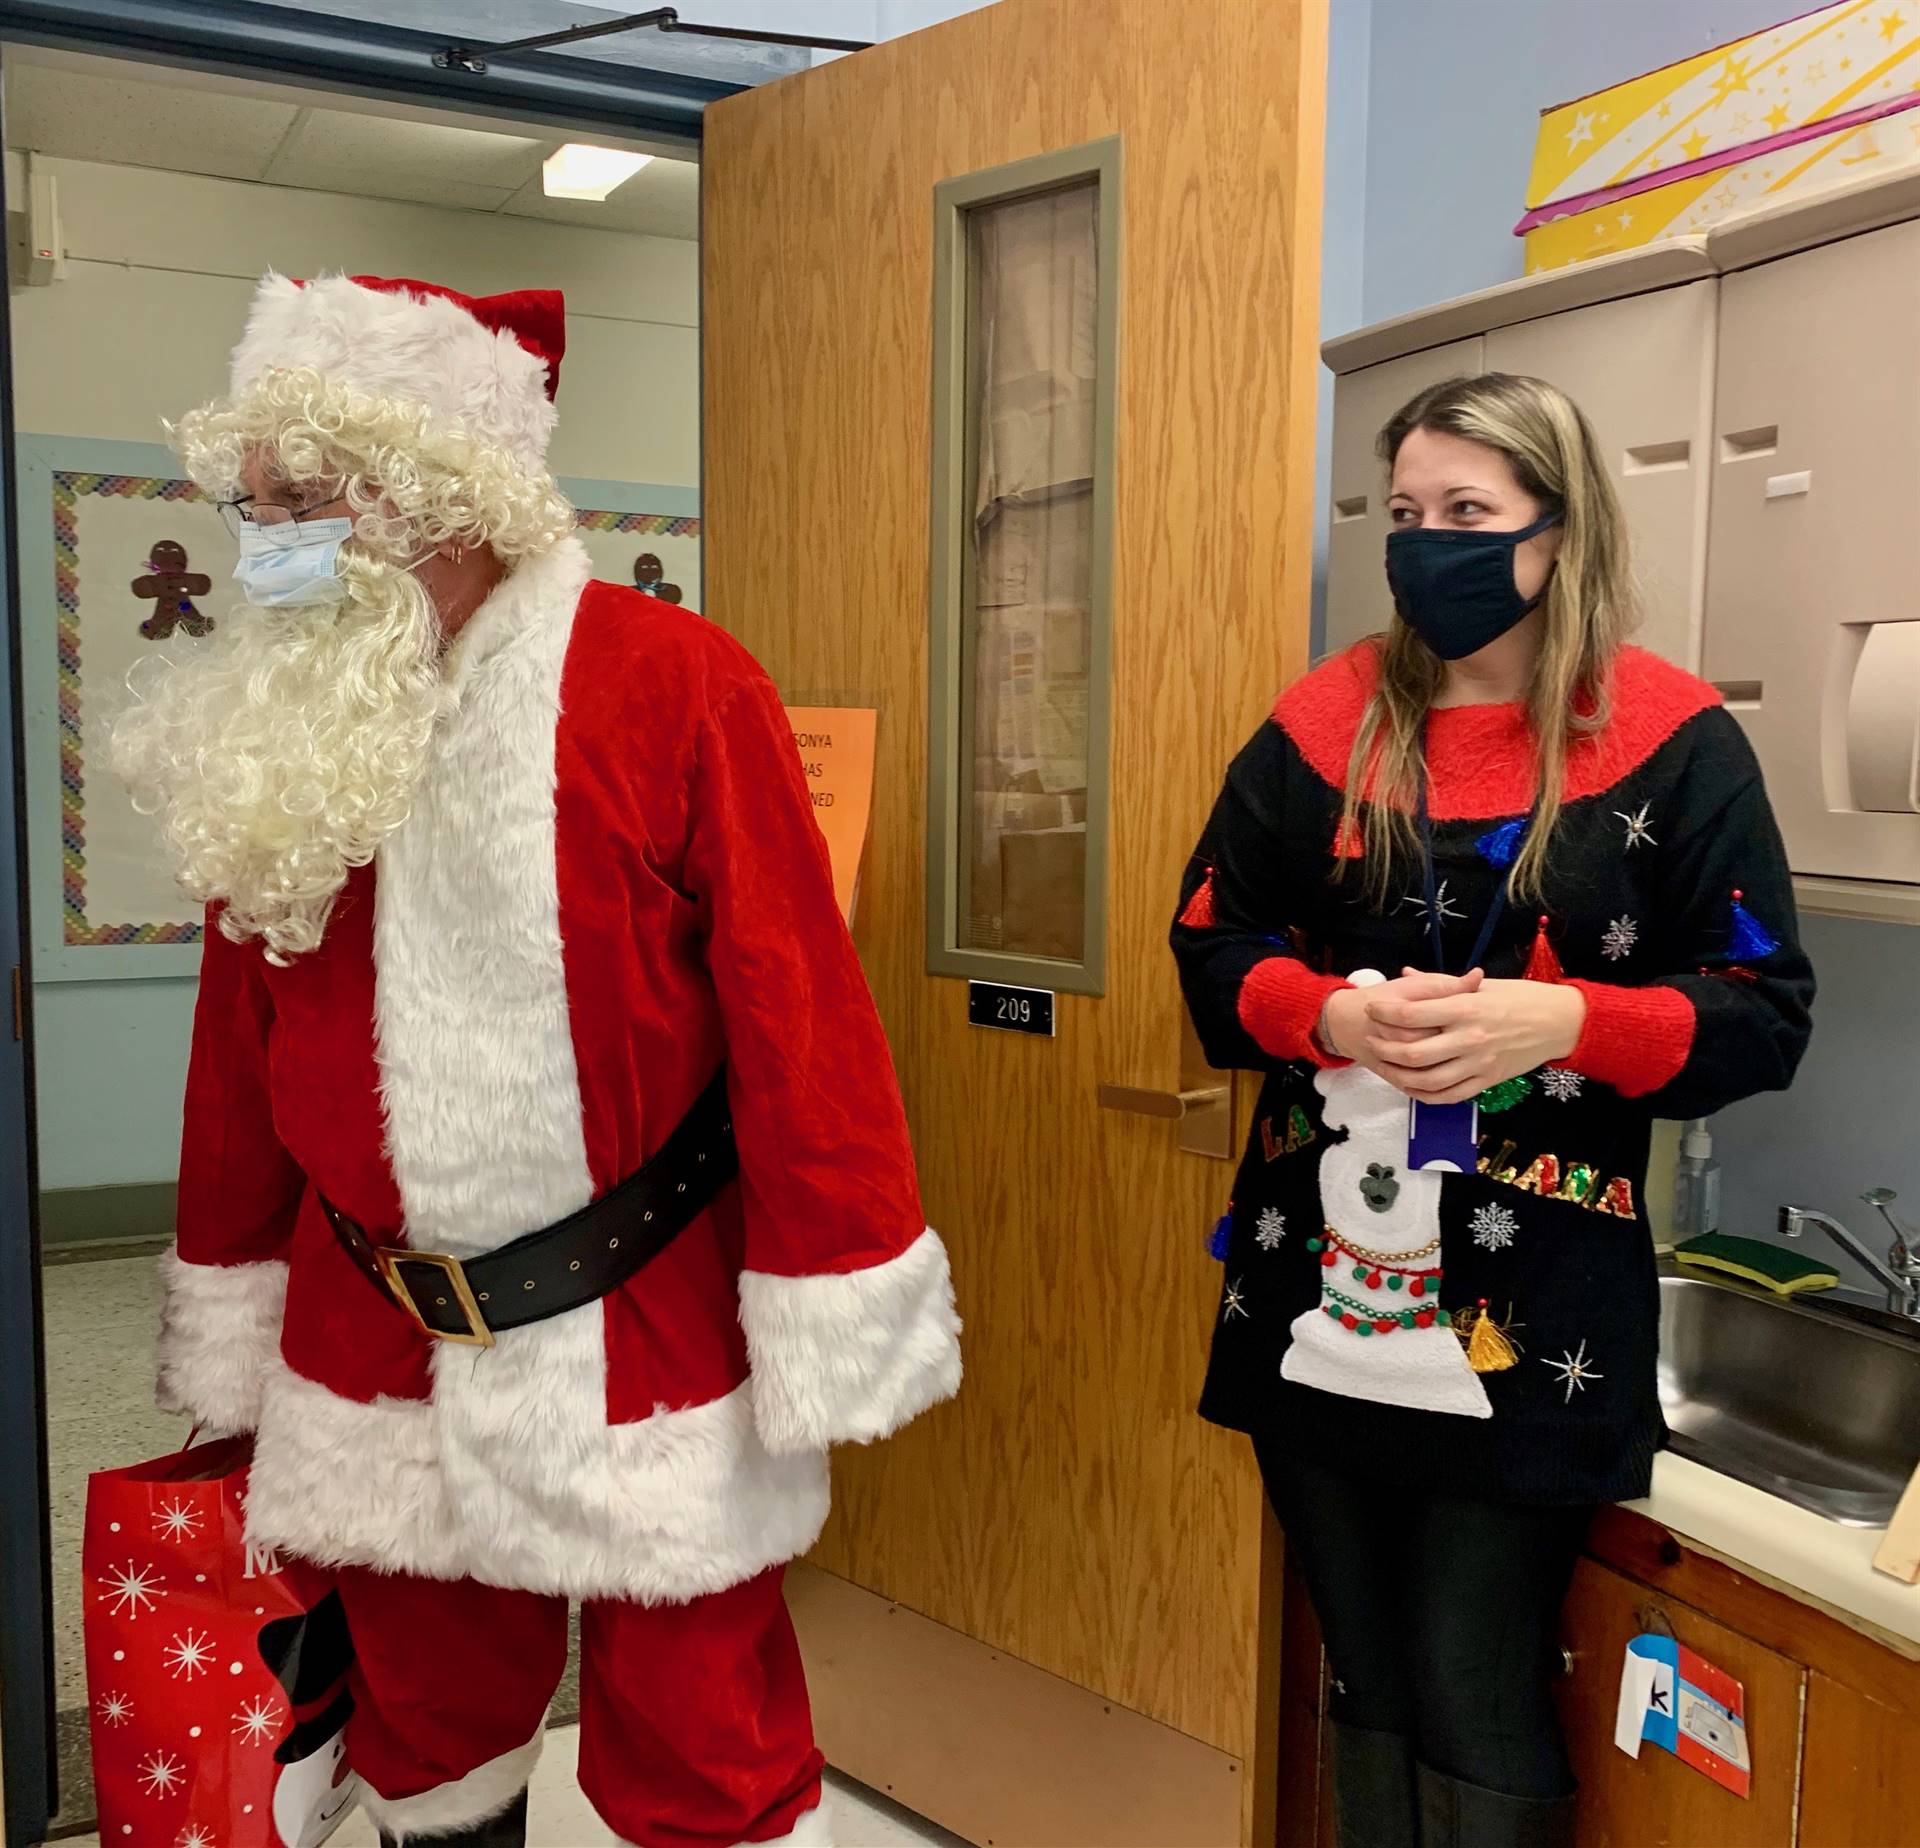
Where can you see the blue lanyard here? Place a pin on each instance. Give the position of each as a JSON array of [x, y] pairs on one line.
[[1494, 910]]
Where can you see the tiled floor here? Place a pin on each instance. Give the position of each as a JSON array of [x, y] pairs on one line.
[[100, 1318], [558, 1816]]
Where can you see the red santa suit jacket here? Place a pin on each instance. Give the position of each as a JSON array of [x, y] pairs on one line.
[[610, 884]]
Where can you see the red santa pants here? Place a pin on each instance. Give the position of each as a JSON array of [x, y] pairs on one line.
[[694, 1725]]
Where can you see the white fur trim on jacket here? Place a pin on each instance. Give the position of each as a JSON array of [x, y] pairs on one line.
[[663, 1511], [219, 1337], [848, 1357], [478, 1797], [421, 348]]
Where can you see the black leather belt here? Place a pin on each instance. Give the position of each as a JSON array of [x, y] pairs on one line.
[[575, 1261]]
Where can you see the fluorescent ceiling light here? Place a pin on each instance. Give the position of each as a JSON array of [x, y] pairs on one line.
[[581, 171]]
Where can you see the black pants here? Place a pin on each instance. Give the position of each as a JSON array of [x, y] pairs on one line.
[[1440, 1614]]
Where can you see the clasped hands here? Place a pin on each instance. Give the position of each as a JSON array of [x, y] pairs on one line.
[[1446, 1038]]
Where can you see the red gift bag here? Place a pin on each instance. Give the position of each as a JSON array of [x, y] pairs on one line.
[[216, 1672]]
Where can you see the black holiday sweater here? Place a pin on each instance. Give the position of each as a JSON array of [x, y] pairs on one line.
[[1496, 1331]]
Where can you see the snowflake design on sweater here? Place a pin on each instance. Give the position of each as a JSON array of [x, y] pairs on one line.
[[1618, 938], [1493, 1227], [1575, 1369], [1235, 1304], [161, 1773], [1562, 1085], [176, 1520], [1443, 906], [194, 1837], [1637, 825], [130, 1589], [1269, 1229]]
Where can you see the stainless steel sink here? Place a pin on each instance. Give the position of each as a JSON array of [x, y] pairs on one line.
[[1815, 1404]]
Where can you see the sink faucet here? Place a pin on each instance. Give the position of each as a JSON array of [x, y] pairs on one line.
[[1899, 1270]]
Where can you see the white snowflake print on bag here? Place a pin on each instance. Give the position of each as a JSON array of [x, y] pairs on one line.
[[1493, 1227], [1270, 1228], [1562, 1085], [1618, 938]]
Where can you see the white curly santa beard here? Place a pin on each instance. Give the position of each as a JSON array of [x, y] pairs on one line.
[[279, 756]]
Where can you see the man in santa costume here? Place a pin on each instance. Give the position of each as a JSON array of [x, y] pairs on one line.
[[546, 1207]]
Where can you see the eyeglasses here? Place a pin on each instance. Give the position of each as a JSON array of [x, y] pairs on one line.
[[246, 512]]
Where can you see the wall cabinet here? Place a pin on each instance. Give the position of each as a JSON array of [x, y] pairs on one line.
[[1830, 1710]]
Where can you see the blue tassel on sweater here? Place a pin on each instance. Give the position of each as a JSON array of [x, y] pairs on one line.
[[1750, 941], [1500, 847], [1220, 1237]]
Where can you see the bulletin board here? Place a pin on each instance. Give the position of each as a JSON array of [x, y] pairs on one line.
[[118, 557]]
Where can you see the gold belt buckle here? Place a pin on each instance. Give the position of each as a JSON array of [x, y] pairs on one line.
[[389, 1259]]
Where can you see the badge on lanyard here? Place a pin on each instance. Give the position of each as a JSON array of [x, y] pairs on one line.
[[1447, 1136]]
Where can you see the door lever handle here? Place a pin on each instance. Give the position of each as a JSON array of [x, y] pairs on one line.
[[1172, 1105]]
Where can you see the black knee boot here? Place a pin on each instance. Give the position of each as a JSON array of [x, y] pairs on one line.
[[506, 1830], [1457, 1815], [1373, 1788]]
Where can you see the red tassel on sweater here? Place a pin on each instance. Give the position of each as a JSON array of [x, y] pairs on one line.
[[1542, 964], [1198, 914]]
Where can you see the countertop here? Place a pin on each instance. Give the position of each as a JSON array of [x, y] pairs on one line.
[[1801, 1553]]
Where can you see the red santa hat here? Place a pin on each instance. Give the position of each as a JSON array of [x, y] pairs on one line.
[[489, 365]]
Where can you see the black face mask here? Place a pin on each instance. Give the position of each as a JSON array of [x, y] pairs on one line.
[[1455, 590]]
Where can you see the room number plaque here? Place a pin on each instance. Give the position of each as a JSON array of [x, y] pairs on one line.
[[1010, 1010]]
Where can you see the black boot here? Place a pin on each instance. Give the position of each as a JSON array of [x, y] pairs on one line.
[[506, 1830], [1373, 1788], [1457, 1815]]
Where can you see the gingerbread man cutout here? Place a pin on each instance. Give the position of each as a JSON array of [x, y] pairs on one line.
[[171, 588], [647, 571]]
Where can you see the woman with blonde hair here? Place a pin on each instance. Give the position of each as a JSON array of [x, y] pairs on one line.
[[1486, 895]]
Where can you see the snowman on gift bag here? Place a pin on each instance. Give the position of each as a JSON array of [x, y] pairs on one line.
[[1379, 1332]]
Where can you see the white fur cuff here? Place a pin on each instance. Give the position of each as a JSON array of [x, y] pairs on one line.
[[219, 1334], [848, 1357], [478, 1797]]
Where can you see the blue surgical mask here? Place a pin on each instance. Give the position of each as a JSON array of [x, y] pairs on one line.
[[292, 564]]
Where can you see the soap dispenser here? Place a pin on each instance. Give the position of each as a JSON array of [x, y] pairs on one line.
[[1696, 1184]]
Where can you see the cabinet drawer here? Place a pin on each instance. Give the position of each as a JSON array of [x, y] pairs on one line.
[[1655, 1801]]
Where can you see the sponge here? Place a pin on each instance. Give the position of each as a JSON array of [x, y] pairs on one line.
[[1786, 1273]]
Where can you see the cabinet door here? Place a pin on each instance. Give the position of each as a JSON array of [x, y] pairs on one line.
[[1642, 370], [1655, 1801], [1357, 601], [1858, 1786], [1811, 543]]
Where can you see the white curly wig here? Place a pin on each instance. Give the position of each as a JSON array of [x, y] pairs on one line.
[[280, 756]]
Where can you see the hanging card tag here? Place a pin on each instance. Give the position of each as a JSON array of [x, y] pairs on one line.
[[1687, 1707], [1444, 1136]]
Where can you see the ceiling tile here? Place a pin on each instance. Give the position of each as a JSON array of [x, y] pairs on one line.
[[78, 116], [334, 149]]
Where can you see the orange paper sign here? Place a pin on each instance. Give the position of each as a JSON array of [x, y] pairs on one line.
[[836, 745]]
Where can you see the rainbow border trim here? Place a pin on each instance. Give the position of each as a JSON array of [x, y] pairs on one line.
[[68, 486], [655, 525]]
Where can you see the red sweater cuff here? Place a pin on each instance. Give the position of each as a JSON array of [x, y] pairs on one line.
[[1280, 1002], [1635, 1039]]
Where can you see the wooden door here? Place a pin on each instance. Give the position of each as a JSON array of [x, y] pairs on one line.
[[1069, 1520]]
